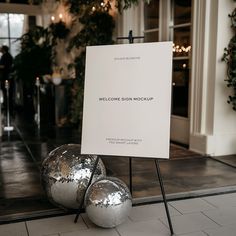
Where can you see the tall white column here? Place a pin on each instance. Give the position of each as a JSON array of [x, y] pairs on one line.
[[213, 122]]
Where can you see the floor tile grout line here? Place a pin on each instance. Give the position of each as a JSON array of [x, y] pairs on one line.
[[176, 209], [222, 162], [205, 233], [84, 222], [210, 218], [27, 230], [117, 231], [164, 223], [210, 203], [27, 147]]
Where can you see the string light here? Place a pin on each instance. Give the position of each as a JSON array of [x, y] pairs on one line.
[[102, 5], [60, 16], [181, 49]]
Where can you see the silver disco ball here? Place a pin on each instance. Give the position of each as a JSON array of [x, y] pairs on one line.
[[65, 175], [108, 202]]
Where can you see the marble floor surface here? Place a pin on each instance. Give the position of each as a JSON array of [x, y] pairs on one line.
[[204, 216], [185, 175]]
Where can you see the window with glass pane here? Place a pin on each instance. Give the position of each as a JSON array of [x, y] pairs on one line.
[[151, 21], [180, 89], [11, 29], [180, 34], [181, 40], [15, 47], [4, 26], [16, 22], [181, 11], [151, 36], [4, 42], [151, 14]]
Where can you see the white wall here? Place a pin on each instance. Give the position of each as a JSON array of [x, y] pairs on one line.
[[213, 122]]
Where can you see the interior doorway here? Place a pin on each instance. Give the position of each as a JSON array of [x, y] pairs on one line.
[[172, 21]]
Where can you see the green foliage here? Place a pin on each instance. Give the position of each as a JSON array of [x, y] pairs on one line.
[[38, 45], [123, 5], [78, 7], [37, 52], [98, 29], [35, 57], [59, 30], [78, 91], [230, 58]]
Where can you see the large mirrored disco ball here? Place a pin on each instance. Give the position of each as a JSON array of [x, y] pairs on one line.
[[65, 175], [108, 202]]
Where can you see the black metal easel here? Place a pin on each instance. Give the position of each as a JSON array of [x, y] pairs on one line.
[[161, 186], [89, 183], [163, 195], [131, 40], [131, 37]]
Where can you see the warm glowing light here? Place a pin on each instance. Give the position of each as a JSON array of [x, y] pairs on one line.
[[93, 8], [102, 3], [37, 82], [53, 18], [60, 16], [181, 49], [184, 65]]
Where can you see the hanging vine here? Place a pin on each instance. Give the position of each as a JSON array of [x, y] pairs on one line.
[[230, 58]]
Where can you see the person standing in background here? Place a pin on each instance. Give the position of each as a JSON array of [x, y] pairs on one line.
[[5, 70]]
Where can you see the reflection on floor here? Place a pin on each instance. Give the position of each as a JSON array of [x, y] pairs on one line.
[[21, 152]]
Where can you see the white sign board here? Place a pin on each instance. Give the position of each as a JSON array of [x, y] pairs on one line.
[[127, 100]]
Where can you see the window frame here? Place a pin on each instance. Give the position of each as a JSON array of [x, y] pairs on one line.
[[166, 33]]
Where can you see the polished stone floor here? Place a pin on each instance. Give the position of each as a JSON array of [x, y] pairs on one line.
[[185, 175], [203, 216]]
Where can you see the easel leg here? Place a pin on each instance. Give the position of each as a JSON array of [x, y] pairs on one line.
[[90, 181], [130, 176], [163, 195]]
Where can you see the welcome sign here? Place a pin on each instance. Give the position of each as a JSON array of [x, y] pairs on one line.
[[127, 100]]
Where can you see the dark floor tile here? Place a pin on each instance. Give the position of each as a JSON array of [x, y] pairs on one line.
[[229, 160], [21, 155]]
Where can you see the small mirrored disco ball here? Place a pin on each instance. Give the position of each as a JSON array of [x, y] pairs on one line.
[[108, 202], [65, 174]]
